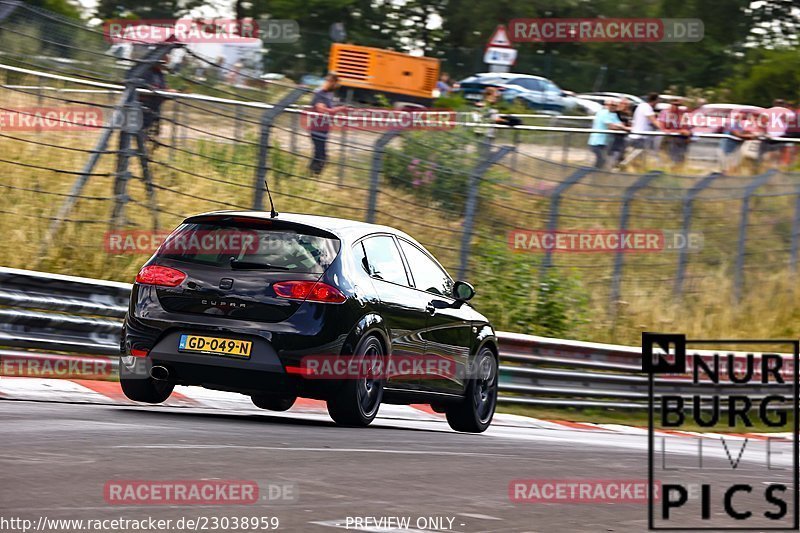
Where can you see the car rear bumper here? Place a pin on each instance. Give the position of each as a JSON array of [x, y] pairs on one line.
[[151, 333]]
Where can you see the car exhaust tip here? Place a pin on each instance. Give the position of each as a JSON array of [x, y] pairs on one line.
[[159, 373]]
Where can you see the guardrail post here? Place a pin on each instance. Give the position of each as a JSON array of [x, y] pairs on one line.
[[688, 205], [738, 275], [472, 203], [555, 207], [627, 198], [378, 151], [267, 120]]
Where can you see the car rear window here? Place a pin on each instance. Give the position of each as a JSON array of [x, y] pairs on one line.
[[282, 248]]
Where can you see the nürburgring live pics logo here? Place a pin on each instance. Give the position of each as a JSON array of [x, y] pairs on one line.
[[718, 391]]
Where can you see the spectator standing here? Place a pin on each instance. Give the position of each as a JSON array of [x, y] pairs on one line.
[[674, 120], [775, 122], [605, 119], [443, 86], [644, 121], [619, 142], [730, 148], [156, 80], [323, 102], [488, 114]]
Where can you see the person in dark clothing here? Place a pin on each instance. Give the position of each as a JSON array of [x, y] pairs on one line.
[[156, 80], [323, 102], [618, 142]]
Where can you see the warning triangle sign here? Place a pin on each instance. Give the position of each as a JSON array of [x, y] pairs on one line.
[[500, 37]]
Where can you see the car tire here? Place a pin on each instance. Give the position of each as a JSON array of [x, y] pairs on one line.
[[357, 402], [273, 402], [474, 413], [138, 386]]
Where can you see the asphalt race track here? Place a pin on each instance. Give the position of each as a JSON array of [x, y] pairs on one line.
[[57, 457]]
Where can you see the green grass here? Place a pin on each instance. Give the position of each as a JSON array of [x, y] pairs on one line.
[[507, 282]]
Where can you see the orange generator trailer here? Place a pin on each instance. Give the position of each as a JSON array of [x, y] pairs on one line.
[[365, 72]]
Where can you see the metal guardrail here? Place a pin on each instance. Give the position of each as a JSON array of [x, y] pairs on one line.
[[50, 313]]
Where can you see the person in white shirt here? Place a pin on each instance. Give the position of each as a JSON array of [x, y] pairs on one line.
[[644, 121]]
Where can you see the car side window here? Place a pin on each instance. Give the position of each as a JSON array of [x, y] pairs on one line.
[[384, 261], [530, 84], [428, 275]]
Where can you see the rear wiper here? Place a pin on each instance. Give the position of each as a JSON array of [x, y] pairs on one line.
[[252, 265]]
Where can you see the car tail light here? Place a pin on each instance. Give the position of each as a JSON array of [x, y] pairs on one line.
[[308, 290], [138, 353], [160, 275]]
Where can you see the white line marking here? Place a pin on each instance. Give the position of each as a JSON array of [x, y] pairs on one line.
[[179, 446], [479, 516]]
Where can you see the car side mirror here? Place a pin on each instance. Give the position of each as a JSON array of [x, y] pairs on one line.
[[463, 291]]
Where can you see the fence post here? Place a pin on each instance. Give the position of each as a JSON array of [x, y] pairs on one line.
[[141, 146], [237, 124], [7, 8], [174, 132], [342, 154], [472, 202], [294, 127], [515, 140], [375, 172], [643, 181], [555, 207], [688, 205], [738, 279], [121, 173], [128, 94], [133, 81], [267, 119], [795, 232]]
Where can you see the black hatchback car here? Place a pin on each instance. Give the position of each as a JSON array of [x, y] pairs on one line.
[[295, 306]]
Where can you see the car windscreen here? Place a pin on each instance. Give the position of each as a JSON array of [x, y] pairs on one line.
[[246, 246]]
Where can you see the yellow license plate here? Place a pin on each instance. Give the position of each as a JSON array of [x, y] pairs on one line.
[[215, 345]]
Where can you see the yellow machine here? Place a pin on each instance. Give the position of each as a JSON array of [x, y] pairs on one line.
[[365, 72]]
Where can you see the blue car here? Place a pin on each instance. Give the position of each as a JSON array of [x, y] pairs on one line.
[[531, 91]]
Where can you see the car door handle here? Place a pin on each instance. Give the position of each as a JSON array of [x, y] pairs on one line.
[[430, 309]]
